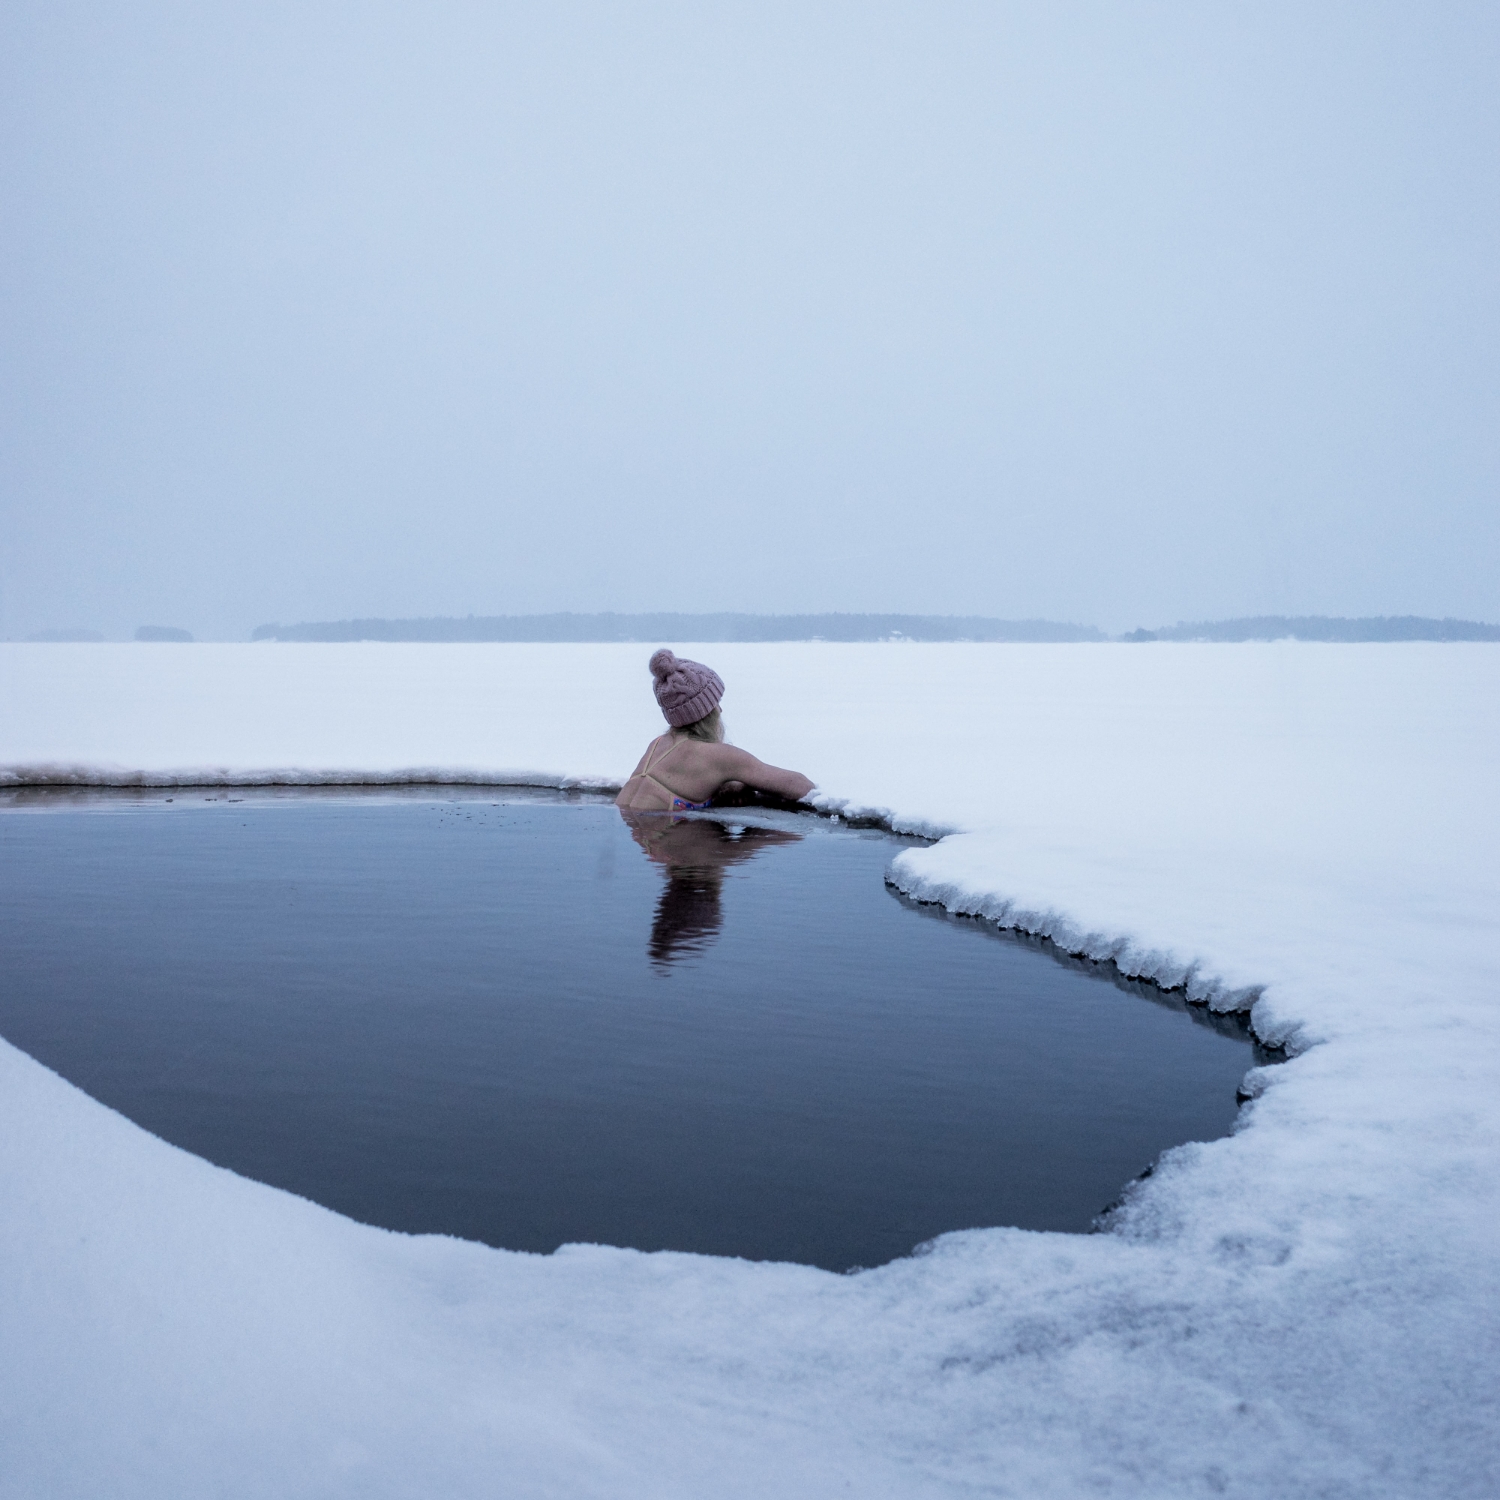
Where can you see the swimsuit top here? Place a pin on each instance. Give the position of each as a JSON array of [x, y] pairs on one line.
[[679, 804]]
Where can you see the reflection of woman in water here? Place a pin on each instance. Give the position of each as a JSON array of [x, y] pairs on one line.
[[694, 853], [685, 768]]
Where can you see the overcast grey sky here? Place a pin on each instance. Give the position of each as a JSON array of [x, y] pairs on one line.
[[1120, 313]]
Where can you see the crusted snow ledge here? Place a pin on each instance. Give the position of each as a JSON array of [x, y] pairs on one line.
[[875, 816], [1125, 951]]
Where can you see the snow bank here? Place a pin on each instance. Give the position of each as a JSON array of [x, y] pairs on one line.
[[1305, 1308]]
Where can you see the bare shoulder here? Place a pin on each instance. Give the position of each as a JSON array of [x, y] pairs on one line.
[[726, 760], [646, 753], [730, 763]]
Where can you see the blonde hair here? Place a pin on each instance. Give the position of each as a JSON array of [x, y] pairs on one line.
[[709, 728]]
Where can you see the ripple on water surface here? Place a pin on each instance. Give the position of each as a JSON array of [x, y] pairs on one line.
[[526, 1021]]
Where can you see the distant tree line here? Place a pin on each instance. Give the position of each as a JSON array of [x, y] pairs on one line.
[[685, 627], [1322, 628], [847, 627], [655, 628]]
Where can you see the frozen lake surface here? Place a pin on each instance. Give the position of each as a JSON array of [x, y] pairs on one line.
[[1301, 1310], [524, 1021]]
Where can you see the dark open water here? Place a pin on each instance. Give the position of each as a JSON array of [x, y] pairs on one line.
[[528, 1023]]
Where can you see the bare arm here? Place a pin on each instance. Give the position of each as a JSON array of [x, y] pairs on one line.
[[730, 763]]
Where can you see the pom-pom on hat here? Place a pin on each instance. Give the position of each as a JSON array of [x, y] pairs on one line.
[[685, 690]]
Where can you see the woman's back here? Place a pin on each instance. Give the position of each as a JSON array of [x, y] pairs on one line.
[[680, 769]]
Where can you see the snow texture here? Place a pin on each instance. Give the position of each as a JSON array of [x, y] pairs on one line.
[[1309, 1307]]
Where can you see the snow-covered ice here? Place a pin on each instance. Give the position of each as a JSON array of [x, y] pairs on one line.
[[1308, 1307]]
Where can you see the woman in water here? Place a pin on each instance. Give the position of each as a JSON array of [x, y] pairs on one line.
[[686, 767]]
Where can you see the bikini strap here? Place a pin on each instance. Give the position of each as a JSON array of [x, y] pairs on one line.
[[651, 764]]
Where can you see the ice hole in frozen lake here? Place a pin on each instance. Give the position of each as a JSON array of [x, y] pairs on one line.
[[515, 1018]]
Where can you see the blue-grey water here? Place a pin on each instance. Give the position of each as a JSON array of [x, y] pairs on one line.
[[520, 1020]]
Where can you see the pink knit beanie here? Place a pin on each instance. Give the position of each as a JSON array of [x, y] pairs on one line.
[[685, 690]]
